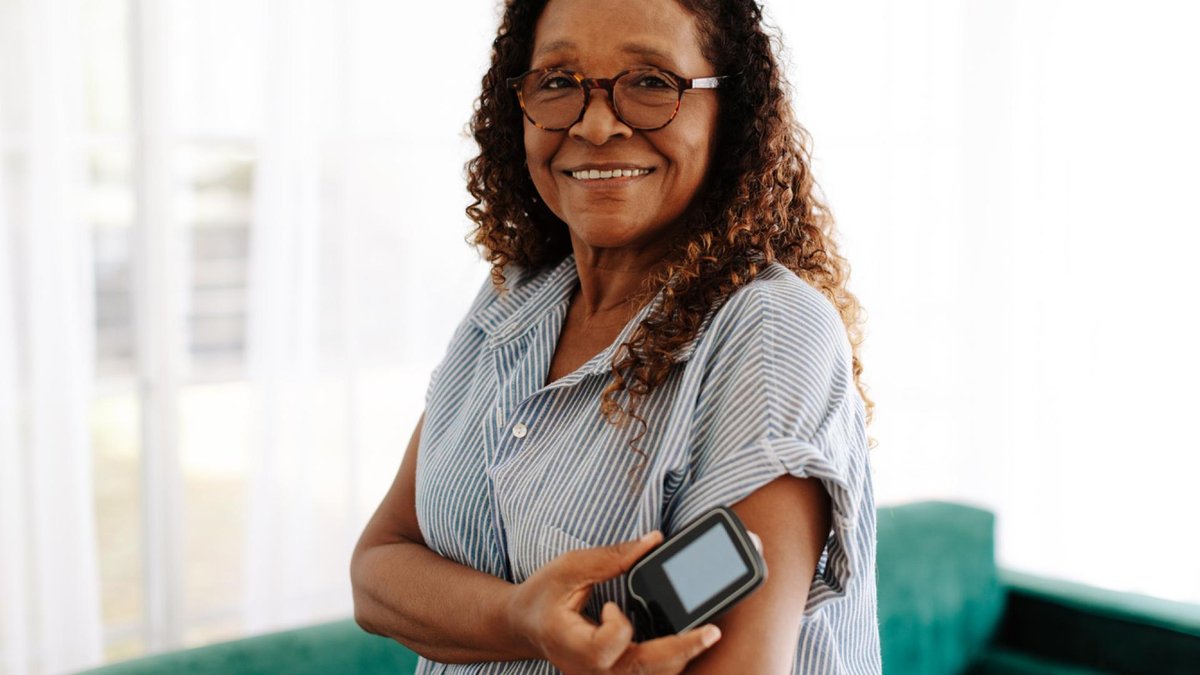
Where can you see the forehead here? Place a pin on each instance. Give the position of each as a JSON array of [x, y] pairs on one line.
[[586, 32]]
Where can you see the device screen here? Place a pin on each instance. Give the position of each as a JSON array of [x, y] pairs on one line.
[[704, 568]]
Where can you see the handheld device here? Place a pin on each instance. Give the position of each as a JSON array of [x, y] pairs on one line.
[[697, 574]]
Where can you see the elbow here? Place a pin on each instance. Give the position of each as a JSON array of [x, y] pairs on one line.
[[361, 600], [362, 615], [368, 572], [363, 621], [360, 618]]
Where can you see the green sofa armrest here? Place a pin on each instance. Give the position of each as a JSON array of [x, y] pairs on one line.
[[1098, 628], [334, 647]]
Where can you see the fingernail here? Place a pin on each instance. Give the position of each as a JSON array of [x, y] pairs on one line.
[[648, 536], [711, 635]]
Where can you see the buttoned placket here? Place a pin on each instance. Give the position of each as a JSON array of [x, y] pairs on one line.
[[513, 351], [514, 361]]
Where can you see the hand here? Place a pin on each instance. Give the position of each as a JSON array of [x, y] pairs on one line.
[[545, 609]]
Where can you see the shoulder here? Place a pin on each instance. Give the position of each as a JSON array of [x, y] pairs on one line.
[[487, 310], [776, 358], [488, 293], [784, 315], [493, 305]]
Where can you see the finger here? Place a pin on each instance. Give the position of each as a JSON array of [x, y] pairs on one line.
[[669, 654], [605, 562], [612, 637], [757, 542]]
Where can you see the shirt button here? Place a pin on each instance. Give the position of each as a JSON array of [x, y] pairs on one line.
[[520, 430]]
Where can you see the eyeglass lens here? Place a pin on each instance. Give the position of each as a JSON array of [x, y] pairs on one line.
[[645, 99]]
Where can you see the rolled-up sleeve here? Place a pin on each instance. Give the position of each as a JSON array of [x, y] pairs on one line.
[[779, 398]]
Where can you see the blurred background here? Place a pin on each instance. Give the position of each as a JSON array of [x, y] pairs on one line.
[[232, 251]]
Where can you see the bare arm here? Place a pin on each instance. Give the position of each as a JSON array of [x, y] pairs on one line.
[[436, 607], [792, 516]]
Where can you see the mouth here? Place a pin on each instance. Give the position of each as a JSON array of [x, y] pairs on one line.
[[613, 176]]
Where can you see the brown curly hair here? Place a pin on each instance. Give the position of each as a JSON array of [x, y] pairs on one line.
[[759, 206]]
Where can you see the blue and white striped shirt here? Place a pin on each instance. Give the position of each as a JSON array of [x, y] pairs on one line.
[[512, 472]]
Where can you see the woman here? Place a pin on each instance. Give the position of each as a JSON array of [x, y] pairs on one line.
[[658, 257]]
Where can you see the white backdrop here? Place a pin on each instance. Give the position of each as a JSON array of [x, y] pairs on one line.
[[1014, 184]]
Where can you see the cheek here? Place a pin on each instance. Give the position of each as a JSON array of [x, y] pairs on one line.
[[539, 150], [693, 144], [693, 155], [540, 145]]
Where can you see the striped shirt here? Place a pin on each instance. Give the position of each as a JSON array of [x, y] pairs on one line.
[[513, 472]]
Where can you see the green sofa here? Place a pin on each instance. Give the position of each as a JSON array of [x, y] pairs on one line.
[[944, 607]]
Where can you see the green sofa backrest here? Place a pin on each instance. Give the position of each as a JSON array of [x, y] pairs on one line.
[[940, 598], [939, 602]]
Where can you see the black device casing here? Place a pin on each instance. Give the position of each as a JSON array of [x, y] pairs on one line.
[[651, 592]]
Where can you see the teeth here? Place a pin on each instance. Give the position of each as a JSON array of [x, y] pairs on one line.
[[595, 174]]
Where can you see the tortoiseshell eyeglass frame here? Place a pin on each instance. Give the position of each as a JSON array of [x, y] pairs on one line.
[[587, 84]]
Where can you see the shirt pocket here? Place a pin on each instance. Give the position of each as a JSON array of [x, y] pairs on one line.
[[554, 541]]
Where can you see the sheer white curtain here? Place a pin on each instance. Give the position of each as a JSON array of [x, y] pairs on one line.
[[49, 582], [293, 552], [358, 275], [1015, 183]]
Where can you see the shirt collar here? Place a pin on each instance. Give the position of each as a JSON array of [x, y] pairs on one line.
[[528, 295], [532, 296]]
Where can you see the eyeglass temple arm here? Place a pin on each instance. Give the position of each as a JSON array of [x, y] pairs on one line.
[[707, 82]]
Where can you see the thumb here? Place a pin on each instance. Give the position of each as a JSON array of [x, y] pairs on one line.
[[620, 557], [636, 548]]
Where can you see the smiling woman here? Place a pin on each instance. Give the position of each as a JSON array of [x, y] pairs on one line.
[[658, 254]]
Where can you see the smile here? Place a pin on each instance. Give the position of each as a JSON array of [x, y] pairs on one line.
[[607, 174]]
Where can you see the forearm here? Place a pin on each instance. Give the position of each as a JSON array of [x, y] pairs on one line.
[[440, 609]]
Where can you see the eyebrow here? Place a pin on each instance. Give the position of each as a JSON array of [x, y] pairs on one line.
[[630, 47]]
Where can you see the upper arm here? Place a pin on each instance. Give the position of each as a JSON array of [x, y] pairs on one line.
[[792, 517], [396, 517]]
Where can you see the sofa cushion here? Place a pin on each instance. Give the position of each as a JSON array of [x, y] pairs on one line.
[[1000, 661]]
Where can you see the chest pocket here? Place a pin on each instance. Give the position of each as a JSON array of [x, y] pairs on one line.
[[553, 541]]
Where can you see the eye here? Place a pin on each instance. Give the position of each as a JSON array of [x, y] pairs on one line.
[[556, 81], [652, 81]]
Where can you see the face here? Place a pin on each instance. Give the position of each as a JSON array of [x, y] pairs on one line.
[[601, 39]]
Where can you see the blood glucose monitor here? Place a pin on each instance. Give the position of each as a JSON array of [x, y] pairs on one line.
[[697, 574]]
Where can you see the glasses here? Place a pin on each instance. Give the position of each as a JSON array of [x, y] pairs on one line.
[[647, 98]]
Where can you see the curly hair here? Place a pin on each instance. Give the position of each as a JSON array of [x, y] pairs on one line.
[[760, 204]]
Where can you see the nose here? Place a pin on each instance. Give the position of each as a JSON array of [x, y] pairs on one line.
[[600, 122]]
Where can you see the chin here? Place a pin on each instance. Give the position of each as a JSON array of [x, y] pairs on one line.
[[609, 232]]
